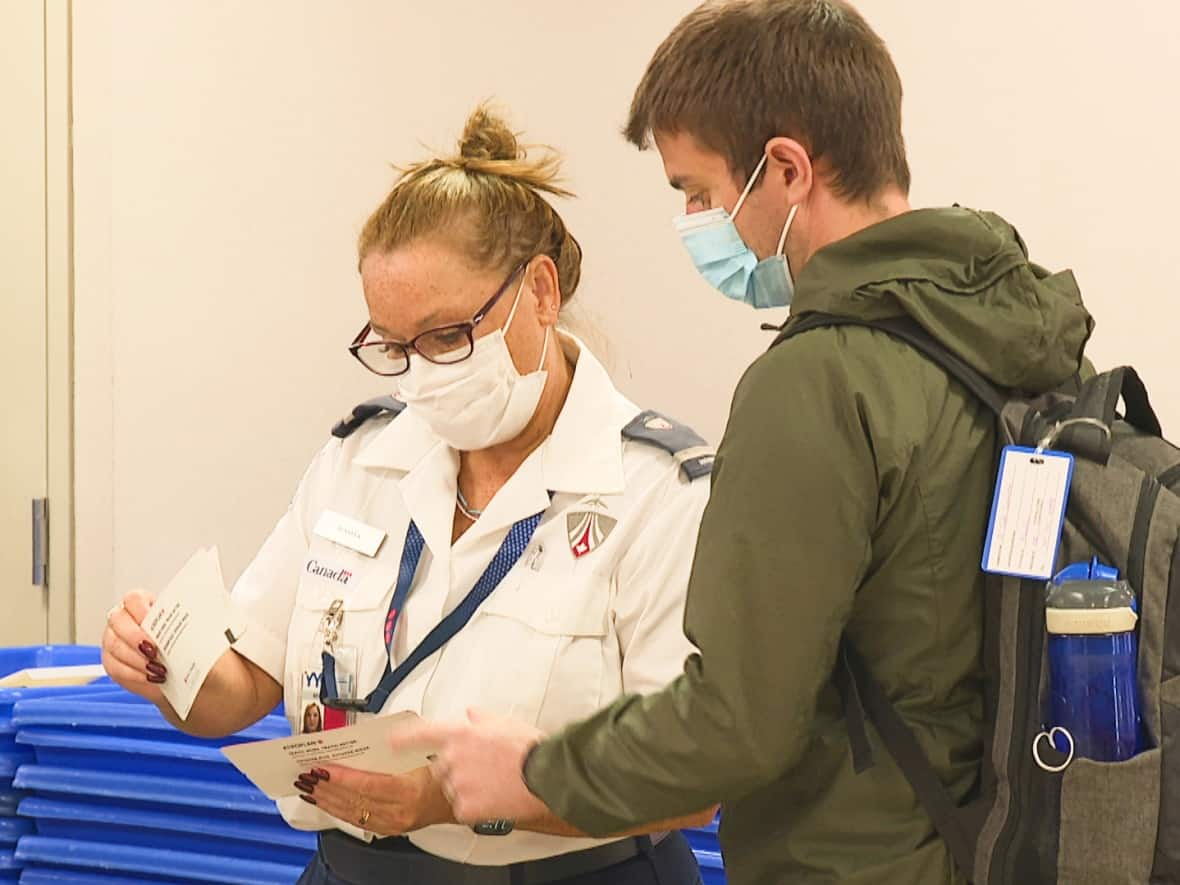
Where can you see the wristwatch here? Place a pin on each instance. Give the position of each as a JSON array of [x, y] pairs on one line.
[[503, 827], [493, 828]]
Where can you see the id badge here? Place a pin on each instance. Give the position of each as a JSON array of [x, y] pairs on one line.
[[313, 715]]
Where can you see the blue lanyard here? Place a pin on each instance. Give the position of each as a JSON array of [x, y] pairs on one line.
[[510, 552]]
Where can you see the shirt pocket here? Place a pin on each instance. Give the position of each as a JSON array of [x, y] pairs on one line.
[[543, 647], [331, 571], [363, 584]]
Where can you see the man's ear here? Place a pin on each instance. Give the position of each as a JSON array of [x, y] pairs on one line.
[[789, 170]]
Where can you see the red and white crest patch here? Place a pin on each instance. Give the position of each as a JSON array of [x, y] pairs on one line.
[[587, 530]]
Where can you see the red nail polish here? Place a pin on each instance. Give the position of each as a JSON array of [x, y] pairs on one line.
[[148, 650], [154, 679], [304, 786], [307, 799], [321, 774], [156, 668]]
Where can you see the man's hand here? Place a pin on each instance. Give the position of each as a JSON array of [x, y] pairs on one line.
[[479, 765], [385, 804]]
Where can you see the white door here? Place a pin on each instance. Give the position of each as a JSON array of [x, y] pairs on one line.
[[23, 369]]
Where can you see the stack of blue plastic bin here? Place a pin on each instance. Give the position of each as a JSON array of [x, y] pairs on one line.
[[14, 755], [117, 794], [96, 787]]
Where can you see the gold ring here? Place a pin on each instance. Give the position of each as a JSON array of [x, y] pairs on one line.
[[364, 818]]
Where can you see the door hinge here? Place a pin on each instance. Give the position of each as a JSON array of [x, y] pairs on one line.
[[40, 541]]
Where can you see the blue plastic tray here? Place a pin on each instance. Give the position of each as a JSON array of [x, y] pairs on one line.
[[119, 712], [61, 694], [238, 835], [12, 828], [712, 869], [9, 800], [703, 837], [36, 874], [21, 658], [71, 748], [152, 789], [154, 862], [26, 656], [10, 762]]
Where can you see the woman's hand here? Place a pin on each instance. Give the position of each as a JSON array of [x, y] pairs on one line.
[[385, 804], [128, 656], [236, 693]]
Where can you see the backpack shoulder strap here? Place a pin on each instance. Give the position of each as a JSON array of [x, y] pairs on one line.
[[352, 422], [907, 330], [899, 740]]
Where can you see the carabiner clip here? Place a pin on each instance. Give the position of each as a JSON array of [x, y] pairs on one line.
[[1055, 431], [1049, 736], [330, 624]]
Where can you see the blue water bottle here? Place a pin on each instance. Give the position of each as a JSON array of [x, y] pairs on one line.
[[1091, 617]]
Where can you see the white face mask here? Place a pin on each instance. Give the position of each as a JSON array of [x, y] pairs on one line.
[[480, 402]]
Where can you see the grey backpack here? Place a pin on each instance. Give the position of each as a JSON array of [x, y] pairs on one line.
[[1092, 823]]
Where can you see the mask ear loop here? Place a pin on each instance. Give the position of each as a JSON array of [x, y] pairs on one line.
[[749, 187], [544, 348], [782, 240], [515, 302], [512, 316]]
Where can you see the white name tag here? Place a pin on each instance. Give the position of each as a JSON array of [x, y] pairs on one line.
[[1028, 511], [350, 533]]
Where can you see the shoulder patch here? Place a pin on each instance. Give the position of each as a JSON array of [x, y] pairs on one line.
[[684, 444], [366, 410]]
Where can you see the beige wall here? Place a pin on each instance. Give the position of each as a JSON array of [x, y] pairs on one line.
[[227, 153]]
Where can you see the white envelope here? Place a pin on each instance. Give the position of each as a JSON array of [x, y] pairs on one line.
[[274, 765], [192, 623]]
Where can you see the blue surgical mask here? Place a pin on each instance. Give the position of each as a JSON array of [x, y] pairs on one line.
[[728, 264]]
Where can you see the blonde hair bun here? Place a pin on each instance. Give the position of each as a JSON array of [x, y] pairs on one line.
[[490, 195], [487, 137], [488, 146]]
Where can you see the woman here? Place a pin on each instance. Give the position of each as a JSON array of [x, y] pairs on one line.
[[511, 541], [312, 720]]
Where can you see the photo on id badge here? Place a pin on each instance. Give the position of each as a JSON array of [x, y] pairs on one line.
[[311, 714]]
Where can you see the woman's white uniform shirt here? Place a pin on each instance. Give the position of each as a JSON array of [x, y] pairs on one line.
[[561, 636]]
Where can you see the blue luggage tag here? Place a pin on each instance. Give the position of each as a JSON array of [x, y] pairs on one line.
[[1028, 512]]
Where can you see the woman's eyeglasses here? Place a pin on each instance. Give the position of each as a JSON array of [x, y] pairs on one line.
[[444, 345]]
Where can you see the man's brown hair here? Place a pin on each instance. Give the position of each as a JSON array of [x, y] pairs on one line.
[[737, 73]]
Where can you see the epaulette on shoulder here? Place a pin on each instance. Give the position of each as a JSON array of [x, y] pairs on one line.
[[684, 444], [366, 410]]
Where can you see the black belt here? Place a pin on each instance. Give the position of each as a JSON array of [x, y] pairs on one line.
[[371, 864]]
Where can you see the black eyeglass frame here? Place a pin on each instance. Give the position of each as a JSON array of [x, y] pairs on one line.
[[359, 344]]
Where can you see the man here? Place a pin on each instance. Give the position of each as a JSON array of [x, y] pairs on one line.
[[851, 489]]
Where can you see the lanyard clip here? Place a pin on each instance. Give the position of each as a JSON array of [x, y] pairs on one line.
[[330, 624]]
